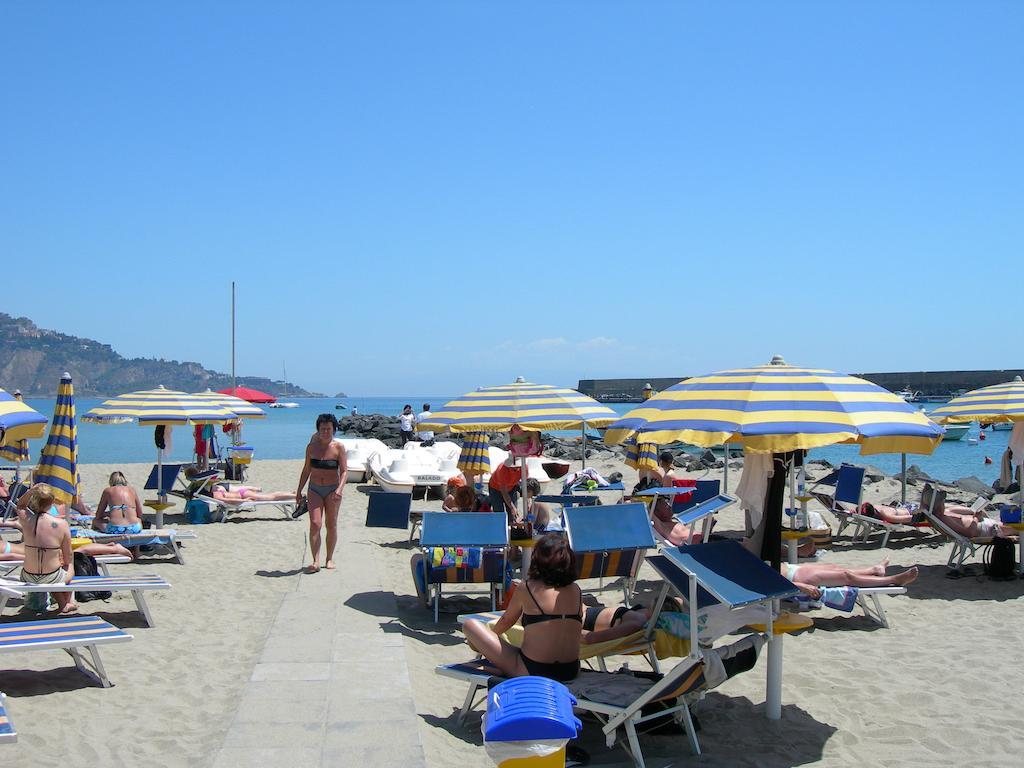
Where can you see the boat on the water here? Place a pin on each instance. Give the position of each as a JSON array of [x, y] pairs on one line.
[[955, 431], [280, 404], [1003, 426], [907, 394]]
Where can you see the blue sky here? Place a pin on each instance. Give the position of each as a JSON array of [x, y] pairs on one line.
[[424, 197]]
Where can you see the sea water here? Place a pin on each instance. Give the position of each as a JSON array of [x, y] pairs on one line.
[[285, 432]]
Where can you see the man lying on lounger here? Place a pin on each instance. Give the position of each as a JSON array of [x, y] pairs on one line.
[[961, 519], [808, 577]]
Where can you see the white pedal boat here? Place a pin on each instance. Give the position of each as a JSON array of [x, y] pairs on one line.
[[358, 451], [412, 471]]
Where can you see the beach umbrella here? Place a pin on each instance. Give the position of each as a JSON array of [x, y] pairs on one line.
[[475, 458], [530, 406], [779, 408], [16, 451], [242, 408], [641, 456], [159, 407], [248, 394], [18, 421], [999, 403], [58, 460]]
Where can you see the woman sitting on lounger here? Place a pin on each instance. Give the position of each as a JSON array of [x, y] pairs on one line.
[[809, 576], [119, 510], [47, 548], [551, 606], [673, 532]]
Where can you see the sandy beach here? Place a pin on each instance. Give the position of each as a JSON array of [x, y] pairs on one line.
[[934, 689]]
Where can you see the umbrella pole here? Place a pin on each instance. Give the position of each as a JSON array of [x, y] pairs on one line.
[[725, 474], [903, 477], [791, 474], [583, 431]]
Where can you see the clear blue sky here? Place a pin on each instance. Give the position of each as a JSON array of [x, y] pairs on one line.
[[425, 197]]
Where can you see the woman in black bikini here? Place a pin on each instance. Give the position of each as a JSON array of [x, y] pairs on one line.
[[326, 469], [47, 546], [551, 606]]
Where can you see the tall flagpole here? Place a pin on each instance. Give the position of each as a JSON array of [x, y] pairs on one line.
[[233, 382]]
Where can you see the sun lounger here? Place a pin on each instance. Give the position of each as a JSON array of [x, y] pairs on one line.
[[610, 541], [702, 491], [222, 508], [487, 530], [962, 546], [7, 733], [102, 561], [69, 635], [159, 537], [873, 610], [844, 504], [137, 585], [704, 512]]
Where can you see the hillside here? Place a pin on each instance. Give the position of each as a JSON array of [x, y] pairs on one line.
[[32, 359]]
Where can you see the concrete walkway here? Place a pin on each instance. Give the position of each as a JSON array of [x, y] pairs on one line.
[[331, 687]]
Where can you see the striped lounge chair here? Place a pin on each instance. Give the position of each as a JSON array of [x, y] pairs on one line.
[[7, 732], [485, 530], [610, 541], [70, 635], [161, 537], [137, 585]]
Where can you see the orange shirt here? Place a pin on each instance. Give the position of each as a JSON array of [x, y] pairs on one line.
[[505, 478]]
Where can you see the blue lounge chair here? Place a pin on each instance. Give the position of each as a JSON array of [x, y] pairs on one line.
[[69, 635], [610, 541], [388, 510], [7, 733], [705, 511], [704, 490], [485, 530]]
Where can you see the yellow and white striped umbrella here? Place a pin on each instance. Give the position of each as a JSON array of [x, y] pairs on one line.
[[997, 403], [778, 408], [159, 407], [531, 406], [475, 457]]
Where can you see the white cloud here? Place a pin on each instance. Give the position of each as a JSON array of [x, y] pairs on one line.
[[598, 342]]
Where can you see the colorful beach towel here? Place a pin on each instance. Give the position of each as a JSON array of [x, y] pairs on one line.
[[454, 557]]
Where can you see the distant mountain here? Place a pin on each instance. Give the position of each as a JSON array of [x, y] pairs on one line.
[[32, 359]]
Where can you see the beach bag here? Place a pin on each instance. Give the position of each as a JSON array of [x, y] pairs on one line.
[[85, 565], [197, 512], [1000, 559]]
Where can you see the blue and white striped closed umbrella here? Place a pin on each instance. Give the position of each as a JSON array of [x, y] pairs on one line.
[[58, 461]]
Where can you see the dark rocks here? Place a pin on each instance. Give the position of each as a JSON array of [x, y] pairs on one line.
[[915, 475], [873, 474], [974, 486]]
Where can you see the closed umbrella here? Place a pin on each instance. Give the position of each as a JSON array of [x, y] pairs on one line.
[[159, 407], [530, 406], [641, 456], [16, 451], [58, 461], [475, 458], [999, 403]]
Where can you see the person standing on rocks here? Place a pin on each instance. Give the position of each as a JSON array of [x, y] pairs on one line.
[[425, 436], [406, 423]]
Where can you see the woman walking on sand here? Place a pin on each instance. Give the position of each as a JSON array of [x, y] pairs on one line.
[[326, 469]]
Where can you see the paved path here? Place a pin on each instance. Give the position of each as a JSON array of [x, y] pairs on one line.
[[331, 687]]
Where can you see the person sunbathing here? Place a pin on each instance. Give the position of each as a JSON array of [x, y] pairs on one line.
[[602, 623], [551, 606], [47, 548], [967, 522], [673, 532], [903, 514], [808, 577], [237, 494], [120, 509]]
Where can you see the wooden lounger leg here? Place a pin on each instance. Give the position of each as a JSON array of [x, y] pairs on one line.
[[140, 602]]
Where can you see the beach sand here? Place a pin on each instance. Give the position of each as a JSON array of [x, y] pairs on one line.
[[937, 688]]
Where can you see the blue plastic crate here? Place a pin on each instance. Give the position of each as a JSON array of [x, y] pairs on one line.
[[530, 709]]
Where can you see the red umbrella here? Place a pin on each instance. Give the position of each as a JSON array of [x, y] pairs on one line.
[[250, 395]]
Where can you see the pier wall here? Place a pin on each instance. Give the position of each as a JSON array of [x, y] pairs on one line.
[[926, 382]]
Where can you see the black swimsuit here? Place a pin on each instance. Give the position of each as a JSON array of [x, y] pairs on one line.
[[560, 671]]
